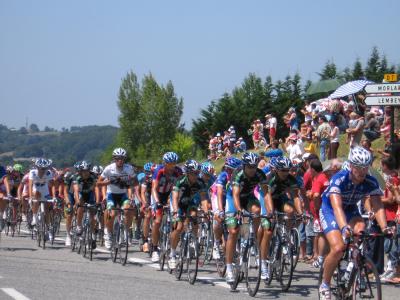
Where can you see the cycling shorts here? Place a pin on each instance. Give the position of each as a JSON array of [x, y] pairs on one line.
[[117, 200], [280, 201], [328, 220], [87, 197], [245, 202], [158, 208]]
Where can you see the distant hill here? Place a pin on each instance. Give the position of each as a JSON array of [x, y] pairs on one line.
[[63, 147]]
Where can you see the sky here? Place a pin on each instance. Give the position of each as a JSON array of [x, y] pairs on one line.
[[62, 62]]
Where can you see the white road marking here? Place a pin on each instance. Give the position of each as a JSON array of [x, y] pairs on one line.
[[144, 261], [13, 293]]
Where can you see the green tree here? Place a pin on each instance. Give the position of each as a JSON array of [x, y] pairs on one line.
[[373, 69], [357, 71], [329, 71], [33, 128]]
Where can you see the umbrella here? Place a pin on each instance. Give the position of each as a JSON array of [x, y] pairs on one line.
[[323, 86], [349, 88]]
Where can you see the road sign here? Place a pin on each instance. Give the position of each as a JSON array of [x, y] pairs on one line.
[[390, 77], [382, 88], [383, 100]]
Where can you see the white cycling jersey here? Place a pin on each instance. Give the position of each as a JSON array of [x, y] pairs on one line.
[[120, 179], [40, 184]]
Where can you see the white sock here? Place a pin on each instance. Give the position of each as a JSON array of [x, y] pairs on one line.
[[173, 253], [229, 267]]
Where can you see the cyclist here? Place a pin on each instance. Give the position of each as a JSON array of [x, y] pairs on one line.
[[164, 179], [23, 195], [119, 177], [40, 184], [145, 196], [69, 200], [240, 196], [218, 199], [339, 214], [5, 191], [185, 202], [83, 185]]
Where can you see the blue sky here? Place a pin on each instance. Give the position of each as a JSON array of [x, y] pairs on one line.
[[61, 62]]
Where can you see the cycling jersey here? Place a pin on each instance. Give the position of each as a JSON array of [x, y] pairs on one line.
[[222, 181], [145, 183], [25, 183], [351, 194], [86, 185], [40, 184], [68, 180], [187, 191], [281, 188], [120, 179], [166, 179]]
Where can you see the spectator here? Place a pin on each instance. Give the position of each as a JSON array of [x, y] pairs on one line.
[[293, 148], [356, 127], [334, 139], [336, 108], [291, 119], [371, 129], [232, 138], [240, 146], [226, 140], [273, 123], [323, 136]]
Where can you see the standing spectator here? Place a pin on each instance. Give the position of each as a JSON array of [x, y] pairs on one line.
[[213, 147], [307, 111], [256, 135], [232, 138], [226, 141], [273, 150], [372, 128], [293, 148], [334, 139], [291, 119], [240, 146], [356, 128], [391, 209], [336, 108], [323, 136], [273, 123]]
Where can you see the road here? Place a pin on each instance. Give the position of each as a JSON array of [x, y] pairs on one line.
[[27, 272]]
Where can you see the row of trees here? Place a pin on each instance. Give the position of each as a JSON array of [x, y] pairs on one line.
[[255, 97], [150, 121]]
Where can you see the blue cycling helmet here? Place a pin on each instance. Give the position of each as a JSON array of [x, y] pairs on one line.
[[147, 167], [191, 166], [250, 159], [233, 162], [76, 165], [207, 168], [281, 163], [170, 157]]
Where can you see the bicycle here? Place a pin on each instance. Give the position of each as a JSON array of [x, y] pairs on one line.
[[10, 217], [247, 261], [206, 238], [86, 239], [189, 253], [120, 237], [99, 219], [165, 238], [356, 276], [41, 226], [220, 262], [281, 252]]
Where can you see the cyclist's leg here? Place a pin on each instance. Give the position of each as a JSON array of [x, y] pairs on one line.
[[127, 205], [68, 210], [177, 222], [92, 200], [79, 212], [110, 215], [2, 208], [157, 220]]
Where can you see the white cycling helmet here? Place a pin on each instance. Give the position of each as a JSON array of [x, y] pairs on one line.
[[360, 157], [119, 152]]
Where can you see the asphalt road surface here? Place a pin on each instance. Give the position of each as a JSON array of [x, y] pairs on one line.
[[27, 272]]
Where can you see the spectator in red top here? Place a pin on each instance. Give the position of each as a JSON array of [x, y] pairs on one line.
[[319, 183], [392, 273]]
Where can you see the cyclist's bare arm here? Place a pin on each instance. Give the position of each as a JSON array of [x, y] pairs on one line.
[[377, 208], [236, 197], [220, 196], [154, 188], [336, 202], [269, 204], [175, 197]]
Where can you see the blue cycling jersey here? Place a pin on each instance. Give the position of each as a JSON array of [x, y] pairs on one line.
[[223, 180], [351, 193]]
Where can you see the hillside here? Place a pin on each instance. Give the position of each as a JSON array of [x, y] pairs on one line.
[[65, 147]]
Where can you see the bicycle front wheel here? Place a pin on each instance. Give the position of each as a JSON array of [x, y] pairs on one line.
[[253, 270], [124, 245], [295, 240], [181, 260], [237, 266], [367, 284], [115, 242], [286, 266], [192, 261]]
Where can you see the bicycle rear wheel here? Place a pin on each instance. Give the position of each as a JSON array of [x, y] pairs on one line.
[[209, 244], [286, 266], [124, 245], [236, 266], [164, 251], [73, 234], [367, 284], [273, 257], [115, 242], [252, 272], [192, 262], [84, 239]]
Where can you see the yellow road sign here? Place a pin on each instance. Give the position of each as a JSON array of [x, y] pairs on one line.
[[390, 77]]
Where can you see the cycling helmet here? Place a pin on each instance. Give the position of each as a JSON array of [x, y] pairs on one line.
[[147, 167], [18, 168], [346, 165], [281, 163], [360, 157], [9, 169], [207, 168], [84, 166], [233, 162], [43, 163], [119, 152], [191, 166], [76, 165], [101, 169], [250, 159], [170, 157], [96, 170]]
